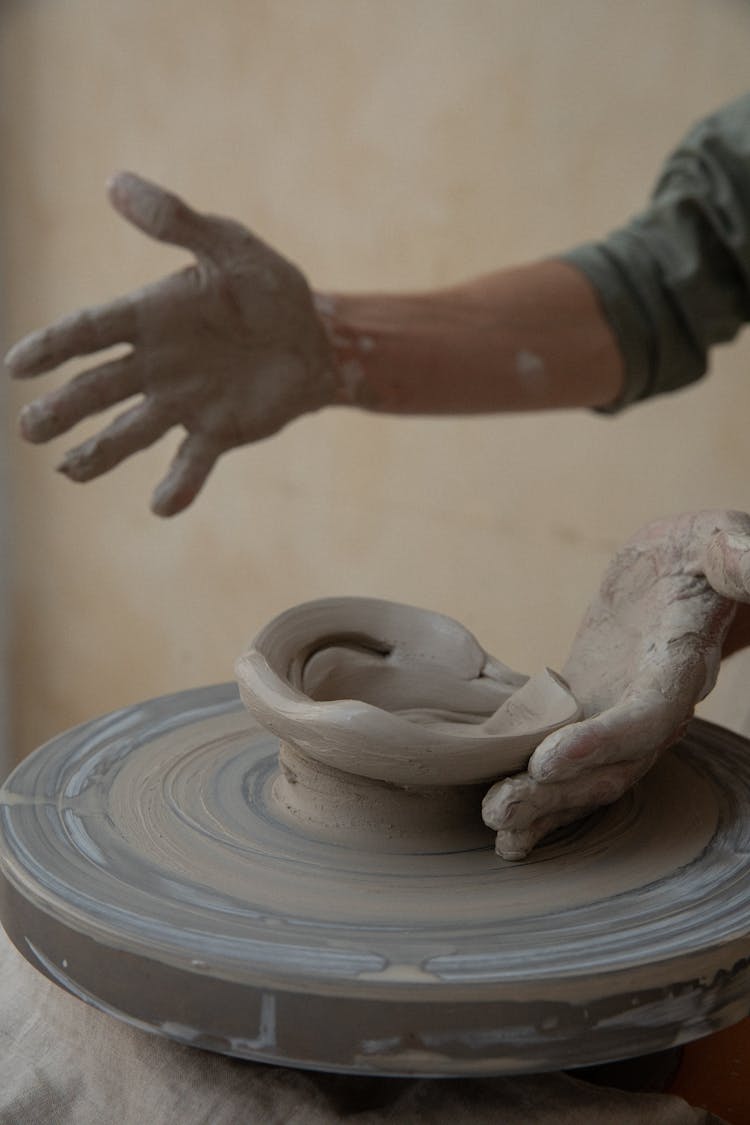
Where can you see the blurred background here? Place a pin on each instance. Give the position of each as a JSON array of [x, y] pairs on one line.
[[380, 144]]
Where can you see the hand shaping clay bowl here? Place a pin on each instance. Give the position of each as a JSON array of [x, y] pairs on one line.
[[396, 694], [172, 865]]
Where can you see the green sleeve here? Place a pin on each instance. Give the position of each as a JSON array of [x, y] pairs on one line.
[[676, 280]]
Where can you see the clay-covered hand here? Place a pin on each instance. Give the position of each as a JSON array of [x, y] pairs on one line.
[[230, 348], [647, 651]]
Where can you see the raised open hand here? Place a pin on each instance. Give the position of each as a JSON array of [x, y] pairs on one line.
[[647, 651], [230, 348]]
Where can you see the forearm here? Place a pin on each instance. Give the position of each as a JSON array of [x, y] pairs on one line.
[[609, 323], [529, 338]]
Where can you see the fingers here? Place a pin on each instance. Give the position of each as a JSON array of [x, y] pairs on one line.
[[516, 844], [580, 768], [523, 810], [136, 429], [164, 216], [187, 474], [87, 394], [80, 334], [518, 802], [636, 728], [727, 564]]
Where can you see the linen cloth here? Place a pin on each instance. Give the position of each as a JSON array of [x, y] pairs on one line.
[[65, 1063]]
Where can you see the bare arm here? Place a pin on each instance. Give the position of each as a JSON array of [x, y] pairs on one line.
[[235, 346], [528, 338]]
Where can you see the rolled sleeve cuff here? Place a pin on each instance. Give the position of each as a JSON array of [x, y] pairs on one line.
[[675, 281]]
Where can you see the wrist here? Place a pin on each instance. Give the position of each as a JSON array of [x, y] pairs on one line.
[[348, 349]]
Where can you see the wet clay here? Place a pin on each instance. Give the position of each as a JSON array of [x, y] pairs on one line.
[[392, 719]]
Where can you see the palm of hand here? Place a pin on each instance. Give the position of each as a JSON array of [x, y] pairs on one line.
[[647, 651], [230, 348], [656, 626]]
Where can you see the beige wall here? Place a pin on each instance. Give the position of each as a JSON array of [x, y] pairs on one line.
[[379, 143]]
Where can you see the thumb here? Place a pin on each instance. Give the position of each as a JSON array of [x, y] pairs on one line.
[[636, 728], [727, 564], [163, 215]]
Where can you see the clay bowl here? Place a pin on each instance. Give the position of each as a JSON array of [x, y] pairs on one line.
[[396, 694]]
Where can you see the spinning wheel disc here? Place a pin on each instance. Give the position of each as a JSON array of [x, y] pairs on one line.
[[147, 869]]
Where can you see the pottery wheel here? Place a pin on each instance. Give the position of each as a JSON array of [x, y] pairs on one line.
[[147, 871]]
